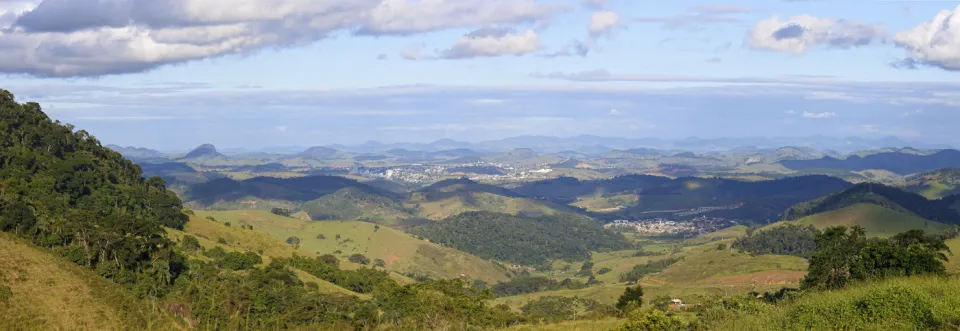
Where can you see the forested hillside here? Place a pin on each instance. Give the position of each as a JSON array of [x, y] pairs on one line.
[[526, 240], [935, 184]]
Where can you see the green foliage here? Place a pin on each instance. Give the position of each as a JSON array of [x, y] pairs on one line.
[[60, 187], [240, 261], [641, 270], [527, 240], [721, 247], [293, 241], [356, 203], [280, 211], [441, 304], [189, 244], [530, 284], [363, 280], [604, 271], [359, 258], [789, 239], [379, 262], [652, 320], [554, 309], [631, 297], [842, 257]]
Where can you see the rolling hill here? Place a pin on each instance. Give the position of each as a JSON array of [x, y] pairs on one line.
[[888, 197], [357, 203], [877, 221], [935, 184], [762, 200], [899, 162], [206, 153], [401, 252]]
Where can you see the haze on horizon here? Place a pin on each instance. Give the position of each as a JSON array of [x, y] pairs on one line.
[[173, 74]]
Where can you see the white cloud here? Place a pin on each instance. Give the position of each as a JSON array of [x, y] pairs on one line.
[[615, 112], [801, 32], [95, 37], [603, 22], [827, 114], [281, 128], [791, 112], [490, 42], [934, 43]]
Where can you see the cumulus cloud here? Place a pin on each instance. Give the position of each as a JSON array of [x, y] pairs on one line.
[[95, 37], [488, 42], [615, 112], [603, 22], [798, 33], [826, 114], [935, 43]]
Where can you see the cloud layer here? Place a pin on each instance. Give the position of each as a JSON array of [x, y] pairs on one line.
[[95, 37], [935, 43]]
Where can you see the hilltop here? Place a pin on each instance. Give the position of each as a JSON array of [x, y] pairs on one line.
[[205, 152], [357, 203]]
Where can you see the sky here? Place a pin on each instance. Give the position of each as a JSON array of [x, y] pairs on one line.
[[172, 74]]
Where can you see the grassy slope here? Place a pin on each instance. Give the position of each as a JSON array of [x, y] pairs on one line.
[[895, 304], [401, 252], [49, 293], [703, 271], [603, 204], [476, 201], [584, 325], [876, 220]]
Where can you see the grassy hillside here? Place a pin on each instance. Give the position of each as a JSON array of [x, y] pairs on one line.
[[897, 162], [400, 252], [39, 291], [895, 304], [602, 204], [876, 220], [935, 184], [356, 203], [881, 195], [438, 207]]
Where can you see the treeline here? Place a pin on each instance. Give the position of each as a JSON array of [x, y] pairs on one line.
[[882, 195], [520, 239], [789, 239], [641, 270], [530, 284]]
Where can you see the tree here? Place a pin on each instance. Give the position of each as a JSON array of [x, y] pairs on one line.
[[721, 247], [632, 296], [293, 241], [359, 258], [379, 262], [280, 211]]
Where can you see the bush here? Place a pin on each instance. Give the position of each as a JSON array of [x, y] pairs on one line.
[[359, 258], [604, 270], [379, 262], [653, 320]]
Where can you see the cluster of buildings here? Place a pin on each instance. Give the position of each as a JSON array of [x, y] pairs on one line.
[[425, 173], [696, 226]]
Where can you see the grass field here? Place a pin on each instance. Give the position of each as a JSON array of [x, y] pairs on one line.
[[936, 190], [47, 293], [607, 204], [401, 252], [895, 304], [876, 220]]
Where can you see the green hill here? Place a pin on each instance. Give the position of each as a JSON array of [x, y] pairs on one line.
[[876, 220], [889, 197], [401, 252], [525, 240], [935, 184], [356, 204]]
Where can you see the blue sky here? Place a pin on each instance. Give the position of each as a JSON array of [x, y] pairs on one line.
[[172, 74]]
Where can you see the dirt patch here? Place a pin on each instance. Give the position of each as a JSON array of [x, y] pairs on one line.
[[393, 259], [761, 278]]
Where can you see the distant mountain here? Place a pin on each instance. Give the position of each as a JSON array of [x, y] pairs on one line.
[[318, 153], [204, 152], [898, 162], [762, 201], [449, 144], [882, 195], [139, 154], [458, 152], [300, 189]]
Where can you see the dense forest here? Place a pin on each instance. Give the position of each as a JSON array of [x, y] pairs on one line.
[[270, 188], [520, 239], [360, 203], [789, 239], [941, 210]]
